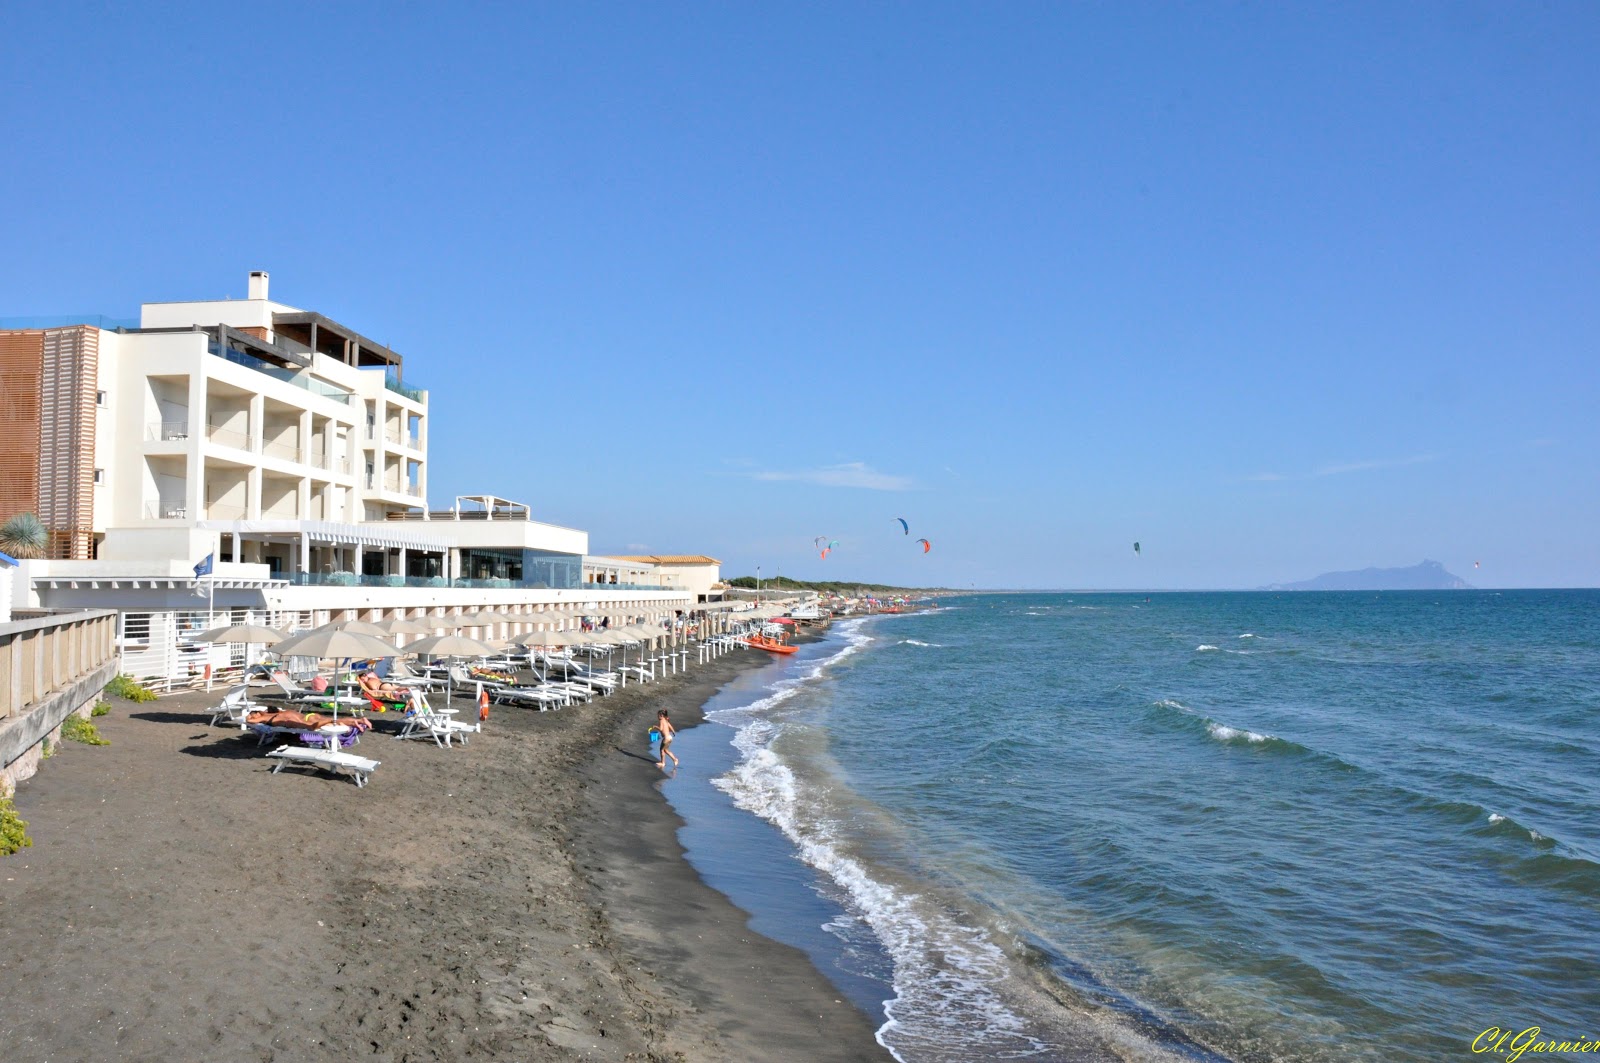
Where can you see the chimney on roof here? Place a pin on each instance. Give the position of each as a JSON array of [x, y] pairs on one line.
[[258, 284]]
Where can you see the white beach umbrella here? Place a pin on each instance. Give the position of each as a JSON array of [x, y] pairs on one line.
[[449, 646], [406, 626], [360, 627]]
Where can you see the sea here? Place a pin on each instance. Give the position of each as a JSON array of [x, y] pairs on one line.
[[1190, 826]]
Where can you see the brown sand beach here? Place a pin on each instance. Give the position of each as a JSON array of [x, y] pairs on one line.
[[523, 898]]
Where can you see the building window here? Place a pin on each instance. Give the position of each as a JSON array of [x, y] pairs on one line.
[[99, 476], [99, 398]]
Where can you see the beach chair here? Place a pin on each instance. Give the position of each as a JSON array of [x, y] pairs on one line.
[[544, 696], [401, 675], [292, 691], [424, 721], [360, 768], [386, 704], [234, 707], [266, 732]]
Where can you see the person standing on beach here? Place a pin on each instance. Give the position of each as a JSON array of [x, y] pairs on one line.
[[664, 725]]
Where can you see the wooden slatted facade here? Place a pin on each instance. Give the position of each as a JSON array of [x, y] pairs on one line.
[[21, 359], [48, 379]]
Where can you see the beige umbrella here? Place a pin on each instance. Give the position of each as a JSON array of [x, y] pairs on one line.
[[450, 646], [548, 638], [412, 627], [334, 642], [360, 627], [248, 634]]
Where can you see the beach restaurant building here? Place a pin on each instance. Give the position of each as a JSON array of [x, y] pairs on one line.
[[245, 460]]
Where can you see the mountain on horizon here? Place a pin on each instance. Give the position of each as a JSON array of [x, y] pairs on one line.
[[1425, 576]]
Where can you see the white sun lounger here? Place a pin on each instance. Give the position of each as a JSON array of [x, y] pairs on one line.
[[423, 721], [541, 695], [360, 768], [235, 706]]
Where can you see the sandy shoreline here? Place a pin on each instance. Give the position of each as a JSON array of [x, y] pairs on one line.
[[522, 898]]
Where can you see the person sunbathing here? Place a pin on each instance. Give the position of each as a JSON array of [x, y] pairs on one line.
[[378, 688]]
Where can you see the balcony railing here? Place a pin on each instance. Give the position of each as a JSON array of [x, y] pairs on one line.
[[287, 451], [228, 437], [166, 509], [404, 439], [299, 379], [224, 511], [167, 431], [393, 384]]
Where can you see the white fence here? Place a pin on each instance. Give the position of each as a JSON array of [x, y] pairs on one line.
[[158, 648]]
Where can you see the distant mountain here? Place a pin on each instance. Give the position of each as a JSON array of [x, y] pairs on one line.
[[1427, 576]]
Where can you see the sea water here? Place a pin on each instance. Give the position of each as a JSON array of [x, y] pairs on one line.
[[1198, 826]]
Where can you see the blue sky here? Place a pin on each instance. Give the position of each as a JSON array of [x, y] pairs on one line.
[[1272, 289]]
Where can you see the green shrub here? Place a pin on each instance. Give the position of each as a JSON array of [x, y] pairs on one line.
[[13, 829], [125, 686], [100, 708], [77, 729]]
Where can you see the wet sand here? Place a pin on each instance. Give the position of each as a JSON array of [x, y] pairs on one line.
[[522, 898]]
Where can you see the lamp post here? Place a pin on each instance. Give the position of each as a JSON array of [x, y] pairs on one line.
[[758, 585]]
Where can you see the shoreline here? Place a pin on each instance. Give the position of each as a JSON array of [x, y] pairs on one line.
[[522, 897], [782, 1007]]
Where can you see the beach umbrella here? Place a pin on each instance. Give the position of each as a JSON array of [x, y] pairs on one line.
[[360, 627], [332, 641], [449, 646], [548, 638], [405, 626], [248, 634]]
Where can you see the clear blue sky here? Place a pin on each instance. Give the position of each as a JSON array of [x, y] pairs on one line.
[[1273, 289]]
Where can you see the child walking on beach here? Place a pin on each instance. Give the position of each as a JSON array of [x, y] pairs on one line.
[[664, 725]]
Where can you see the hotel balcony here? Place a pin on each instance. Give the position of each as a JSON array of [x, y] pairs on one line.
[[166, 509], [167, 431]]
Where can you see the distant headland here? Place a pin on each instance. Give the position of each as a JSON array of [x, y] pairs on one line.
[[1424, 576]]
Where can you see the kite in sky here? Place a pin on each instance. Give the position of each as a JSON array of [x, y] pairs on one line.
[[1136, 548], [926, 545], [904, 525]]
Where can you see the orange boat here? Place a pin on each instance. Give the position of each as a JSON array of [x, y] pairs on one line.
[[761, 642]]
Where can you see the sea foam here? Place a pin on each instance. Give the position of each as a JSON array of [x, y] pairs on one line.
[[945, 970]]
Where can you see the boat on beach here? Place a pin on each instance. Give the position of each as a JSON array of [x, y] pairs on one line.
[[771, 645]]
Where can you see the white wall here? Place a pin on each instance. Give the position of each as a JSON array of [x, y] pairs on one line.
[[238, 313]]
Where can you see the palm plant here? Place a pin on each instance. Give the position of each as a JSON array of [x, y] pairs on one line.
[[23, 536]]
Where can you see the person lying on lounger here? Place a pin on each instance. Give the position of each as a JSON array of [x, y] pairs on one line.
[[378, 688]]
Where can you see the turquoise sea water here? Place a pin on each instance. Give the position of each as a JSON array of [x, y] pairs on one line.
[[1202, 826]]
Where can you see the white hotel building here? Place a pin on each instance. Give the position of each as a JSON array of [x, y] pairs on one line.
[[284, 445]]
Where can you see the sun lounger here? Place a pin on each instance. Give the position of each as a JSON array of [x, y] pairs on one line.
[[360, 768], [291, 691], [423, 721], [234, 707], [265, 731], [544, 695]]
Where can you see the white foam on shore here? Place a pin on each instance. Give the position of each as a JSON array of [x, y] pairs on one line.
[[945, 971]]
